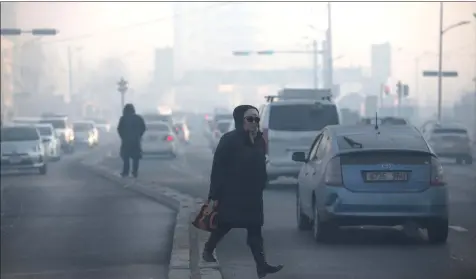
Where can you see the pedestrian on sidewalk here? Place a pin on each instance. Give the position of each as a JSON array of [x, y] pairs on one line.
[[131, 128], [237, 181]]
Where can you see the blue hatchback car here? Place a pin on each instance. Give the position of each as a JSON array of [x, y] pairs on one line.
[[366, 175]]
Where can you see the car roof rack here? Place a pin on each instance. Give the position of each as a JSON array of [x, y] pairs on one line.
[[273, 98]]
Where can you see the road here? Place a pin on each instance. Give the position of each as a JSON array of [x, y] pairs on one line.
[[355, 253], [71, 224]]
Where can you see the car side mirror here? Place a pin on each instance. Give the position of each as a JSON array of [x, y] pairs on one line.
[[299, 157]]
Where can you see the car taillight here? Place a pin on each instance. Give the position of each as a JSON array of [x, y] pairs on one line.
[[265, 137], [333, 175], [436, 173], [169, 138]]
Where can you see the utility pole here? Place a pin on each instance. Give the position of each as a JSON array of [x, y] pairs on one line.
[[122, 87], [329, 46], [440, 63], [315, 64], [70, 72]]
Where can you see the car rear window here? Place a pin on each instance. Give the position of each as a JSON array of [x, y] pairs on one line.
[[82, 126], [157, 117], [223, 127], [45, 131], [57, 123], [450, 131], [158, 127], [302, 117], [383, 141], [219, 117], [19, 134]]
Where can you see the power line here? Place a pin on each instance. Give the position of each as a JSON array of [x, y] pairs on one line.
[[135, 25]]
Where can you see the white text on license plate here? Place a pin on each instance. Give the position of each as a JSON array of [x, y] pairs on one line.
[[386, 176]]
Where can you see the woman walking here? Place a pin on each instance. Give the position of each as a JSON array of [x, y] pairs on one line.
[[131, 128], [237, 182]]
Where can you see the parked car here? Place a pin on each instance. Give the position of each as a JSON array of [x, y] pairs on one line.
[[358, 176], [22, 150]]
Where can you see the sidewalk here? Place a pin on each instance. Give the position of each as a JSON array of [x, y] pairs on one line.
[[185, 260]]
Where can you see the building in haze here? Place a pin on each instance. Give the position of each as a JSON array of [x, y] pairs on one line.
[[205, 34]]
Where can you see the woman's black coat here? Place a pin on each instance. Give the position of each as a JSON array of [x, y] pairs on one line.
[[131, 128], [238, 179]]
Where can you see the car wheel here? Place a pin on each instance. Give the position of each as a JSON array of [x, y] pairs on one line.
[[43, 169], [321, 231], [303, 222], [437, 231]]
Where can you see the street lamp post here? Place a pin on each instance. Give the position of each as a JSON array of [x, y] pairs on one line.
[[440, 56], [122, 87]]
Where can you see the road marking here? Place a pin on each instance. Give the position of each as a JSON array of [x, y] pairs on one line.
[[458, 228]]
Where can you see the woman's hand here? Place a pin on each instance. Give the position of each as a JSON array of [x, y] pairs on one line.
[[210, 206]]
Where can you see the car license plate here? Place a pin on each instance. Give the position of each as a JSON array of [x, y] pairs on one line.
[[15, 160], [386, 176]]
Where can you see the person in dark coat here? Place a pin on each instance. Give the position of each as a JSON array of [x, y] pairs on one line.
[[237, 181], [131, 128]]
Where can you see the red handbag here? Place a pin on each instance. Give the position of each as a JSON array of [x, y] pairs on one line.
[[206, 222]]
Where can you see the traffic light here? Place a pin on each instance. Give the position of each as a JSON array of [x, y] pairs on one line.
[[44, 32], [399, 88], [241, 53], [265, 52], [406, 90], [10, 31]]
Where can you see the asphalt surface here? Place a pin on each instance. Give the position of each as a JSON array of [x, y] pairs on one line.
[[72, 224], [354, 253]]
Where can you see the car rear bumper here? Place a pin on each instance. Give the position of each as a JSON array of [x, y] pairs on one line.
[[24, 166], [159, 150], [353, 208]]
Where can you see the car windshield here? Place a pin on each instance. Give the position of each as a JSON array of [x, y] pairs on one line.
[[382, 141], [45, 131], [82, 126], [223, 127], [157, 127], [302, 117], [19, 134], [57, 123]]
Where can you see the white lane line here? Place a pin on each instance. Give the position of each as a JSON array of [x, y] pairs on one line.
[[458, 228]]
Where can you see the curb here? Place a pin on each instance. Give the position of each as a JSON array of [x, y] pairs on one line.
[[188, 242]]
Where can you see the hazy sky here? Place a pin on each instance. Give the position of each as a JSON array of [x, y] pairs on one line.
[[411, 28]]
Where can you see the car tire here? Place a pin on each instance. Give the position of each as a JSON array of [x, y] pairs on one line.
[[321, 231], [437, 231], [303, 221], [43, 169]]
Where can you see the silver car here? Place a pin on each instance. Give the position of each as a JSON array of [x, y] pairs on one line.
[[22, 150], [51, 142], [159, 139]]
